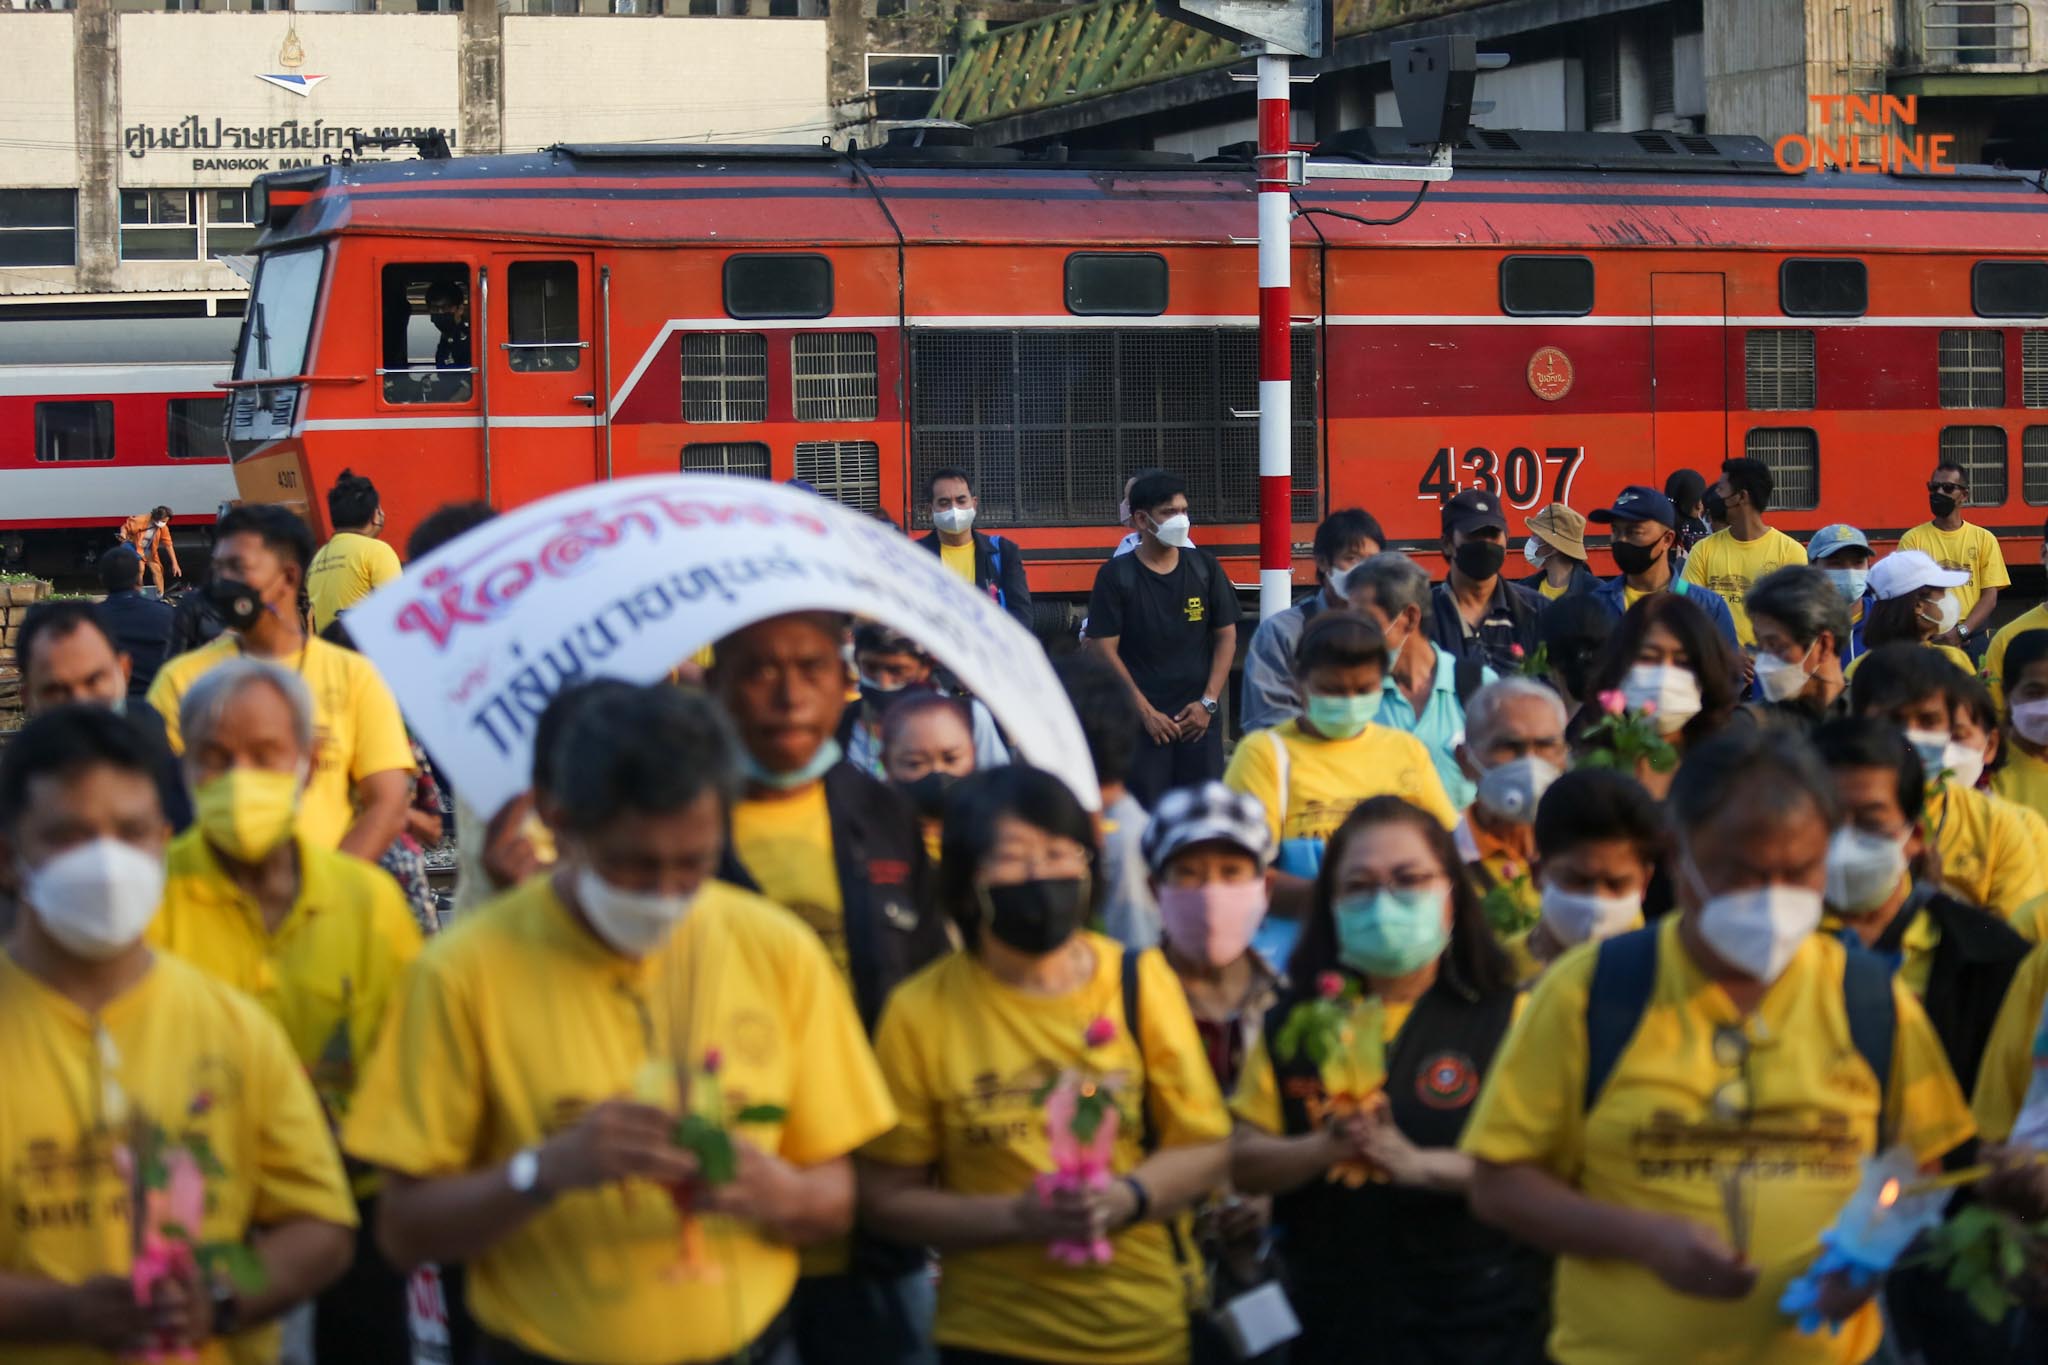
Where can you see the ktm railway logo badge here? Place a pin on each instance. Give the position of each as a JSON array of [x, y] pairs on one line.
[[301, 86], [1550, 373]]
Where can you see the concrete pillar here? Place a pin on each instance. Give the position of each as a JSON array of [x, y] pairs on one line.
[[96, 73], [480, 61]]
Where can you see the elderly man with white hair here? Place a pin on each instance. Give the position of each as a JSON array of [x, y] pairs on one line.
[[318, 937], [1514, 749]]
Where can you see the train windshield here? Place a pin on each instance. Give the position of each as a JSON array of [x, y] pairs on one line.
[[280, 315]]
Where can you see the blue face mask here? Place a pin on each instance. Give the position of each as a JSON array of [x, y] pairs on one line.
[[1849, 582], [1341, 717], [1391, 932], [828, 754]]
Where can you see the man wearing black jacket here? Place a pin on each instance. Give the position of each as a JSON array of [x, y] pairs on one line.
[[845, 853], [991, 564]]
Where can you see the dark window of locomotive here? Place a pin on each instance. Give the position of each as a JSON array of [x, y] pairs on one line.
[[428, 312], [2009, 289], [544, 321], [1546, 286], [778, 286], [193, 429], [69, 432], [1824, 289], [1124, 284]]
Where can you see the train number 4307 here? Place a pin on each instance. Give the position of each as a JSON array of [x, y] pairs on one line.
[[1516, 478]]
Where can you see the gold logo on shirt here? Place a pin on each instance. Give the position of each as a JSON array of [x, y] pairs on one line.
[[1196, 608]]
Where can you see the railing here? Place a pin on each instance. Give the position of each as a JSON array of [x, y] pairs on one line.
[[1975, 32]]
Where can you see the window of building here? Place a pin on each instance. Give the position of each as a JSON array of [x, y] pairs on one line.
[[1658, 38], [231, 226], [71, 432], [904, 85], [439, 6], [725, 377], [2034, 465], [1793, 457], [544, 325], [1603, 75], [1824, 289], [428, 353], [1972, 361], [744, 459], [1116, 284], [2009, 289], [637, 6], [1980, 453], [159, 225], [834, 374], [1546, 286], [38, 227], [1778, 368], [778, 286], [195, 429], [847, 472]]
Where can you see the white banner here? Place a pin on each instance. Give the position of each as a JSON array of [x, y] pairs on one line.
[[629, 578]]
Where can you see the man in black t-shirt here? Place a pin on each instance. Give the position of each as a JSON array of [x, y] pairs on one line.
[[1165, 618]]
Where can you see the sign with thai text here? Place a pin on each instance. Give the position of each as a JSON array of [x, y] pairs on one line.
[[223, 145]]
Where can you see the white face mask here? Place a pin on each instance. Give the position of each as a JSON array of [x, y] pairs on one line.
[[1965, 764], [1510, 792], [1670, 693], [1779, 680], [1533, 550], [954, 520], [633, 922], [1173, 531], [1864, 869], [1578, 917], [1946, 614], [1757, 931], [2030, 719], [97, 898], [1849, 582]]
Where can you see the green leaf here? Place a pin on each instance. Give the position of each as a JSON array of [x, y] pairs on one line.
[[1087, 1121], [177, 1232], [242, 1266], [1990, 1298], [762, 1113]]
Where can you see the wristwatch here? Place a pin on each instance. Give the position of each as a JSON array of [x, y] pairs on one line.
[[1209, 705], [522, 1173], [227, 1309]]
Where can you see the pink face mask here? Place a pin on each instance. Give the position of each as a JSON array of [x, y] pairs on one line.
[[1215, 922]]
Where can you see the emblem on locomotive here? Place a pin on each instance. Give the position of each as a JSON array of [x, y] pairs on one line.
[[1550, 373]]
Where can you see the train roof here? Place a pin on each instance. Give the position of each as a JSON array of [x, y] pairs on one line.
[[119, 341], [1511, 188]]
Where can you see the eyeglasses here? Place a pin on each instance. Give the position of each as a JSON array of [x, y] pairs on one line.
[[1945, 488], [1732, 1101]]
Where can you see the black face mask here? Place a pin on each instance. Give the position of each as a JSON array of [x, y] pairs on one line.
[[446, 323], [238, 603], [878, 700], [1716, 507], [1941, 504], [1035, 917], [1480, 560], [1635, 559], [928, 793]]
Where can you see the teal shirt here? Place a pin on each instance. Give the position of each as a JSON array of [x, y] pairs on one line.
[[1440, 727]]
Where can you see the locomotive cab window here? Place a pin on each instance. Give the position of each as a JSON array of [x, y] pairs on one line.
[[428, 356], [777, 286], [1824, 289], [1546, 286], [541, 308], [71, 432], [1125, 284], [2009, 289]]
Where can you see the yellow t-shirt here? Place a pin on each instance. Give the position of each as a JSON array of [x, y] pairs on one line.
[[1991, 852], [787, 845], [965, 1055], [344, 571], [1917, 943], [2023, 780], [516, 1020], [1972, 549], [1327, 777], [2033, 618], [357, 729], [1552, 591], [1652, 1142], [1949, 652], [959, 558], [2008, 1065], [1729, 567], [187, 1053], [328, 970], [1257, 1097]]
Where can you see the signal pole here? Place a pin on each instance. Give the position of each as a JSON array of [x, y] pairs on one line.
[[1276, 335]]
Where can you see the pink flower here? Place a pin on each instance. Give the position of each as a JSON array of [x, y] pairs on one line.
[[1101, 1032], [1648, 708], [202, 1103], [1515, 651], [1510, 871], [1613, 703], [1329, 985], [713, 1059]]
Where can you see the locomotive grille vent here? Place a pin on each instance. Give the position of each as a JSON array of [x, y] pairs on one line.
[[2034, 368], [743, 459], [1049, 422], [847, 472], [835, 376], [725, 377], [2034, 465], [1793, 456], [1980, 453], [1972, 364], [1778, 368]]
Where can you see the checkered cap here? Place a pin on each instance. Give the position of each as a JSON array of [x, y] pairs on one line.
[[1205, 814]]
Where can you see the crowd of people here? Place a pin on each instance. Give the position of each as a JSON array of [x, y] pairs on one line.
[[1545, 971]]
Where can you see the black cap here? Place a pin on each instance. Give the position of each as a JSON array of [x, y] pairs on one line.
[[1636, 503], [1474, 510]]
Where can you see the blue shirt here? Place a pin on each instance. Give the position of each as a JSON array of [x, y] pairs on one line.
[[1440, 727]]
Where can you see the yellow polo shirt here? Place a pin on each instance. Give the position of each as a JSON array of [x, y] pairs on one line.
[[1972, 549], [1992, 852], [1728, 566], [347, 569], [786, 844], [2033, 618], [357, 727], [518, 1019], [2008, 1066], [1652, 1142], [182, 1051], [959, 558], [1327, 777], [965, 1056], [328, 970]]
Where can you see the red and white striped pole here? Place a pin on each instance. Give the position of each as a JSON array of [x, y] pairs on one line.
[[1276, 368]]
